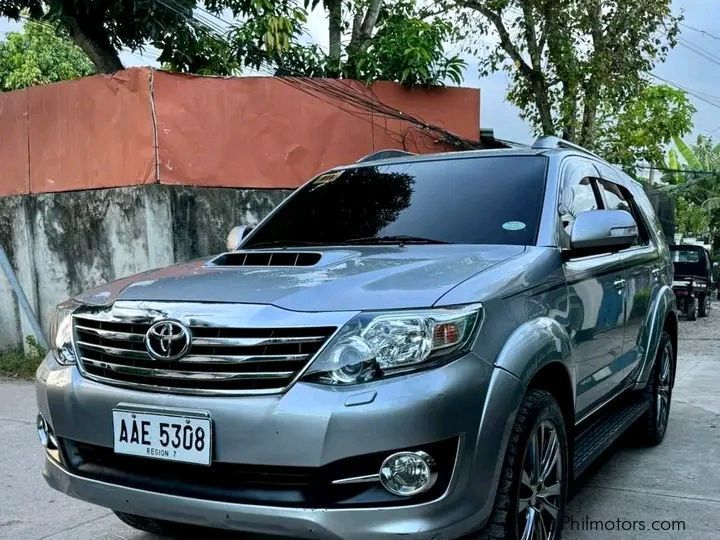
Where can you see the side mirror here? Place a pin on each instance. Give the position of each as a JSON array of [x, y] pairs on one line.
[[236, 236], [596, 230]]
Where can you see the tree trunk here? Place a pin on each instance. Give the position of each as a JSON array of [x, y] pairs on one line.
[[96, 44], [542, 102], [362, 29], [334, 8]]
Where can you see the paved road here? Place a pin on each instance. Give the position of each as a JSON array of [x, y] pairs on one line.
[[676, 481]]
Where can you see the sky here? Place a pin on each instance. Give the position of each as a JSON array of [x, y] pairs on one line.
[[684, 66]]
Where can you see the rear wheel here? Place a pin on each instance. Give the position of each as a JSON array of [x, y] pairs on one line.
[[530, 500], [703, 305], [691, 309], [653, 424]]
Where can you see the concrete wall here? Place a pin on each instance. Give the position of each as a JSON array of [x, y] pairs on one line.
[[63, 243]]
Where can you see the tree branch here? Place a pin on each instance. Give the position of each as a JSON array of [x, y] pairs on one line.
[[533, 74]]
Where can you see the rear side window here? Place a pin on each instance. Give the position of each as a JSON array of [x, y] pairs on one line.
[[614, 199], [617, 199]]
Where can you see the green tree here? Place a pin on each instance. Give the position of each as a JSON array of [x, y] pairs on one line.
[[393, 41], [101, 28], [696, 187], [644, 126], [572, 64], [408, 49], [369, 39], [40, 54], [690, 218]]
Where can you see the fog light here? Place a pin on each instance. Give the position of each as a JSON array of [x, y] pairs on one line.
[[42, 430], [408, 473]]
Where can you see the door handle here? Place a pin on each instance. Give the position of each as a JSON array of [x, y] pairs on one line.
[[619, 284]]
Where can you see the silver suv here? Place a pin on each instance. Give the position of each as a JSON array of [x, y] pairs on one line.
[[420, 346]]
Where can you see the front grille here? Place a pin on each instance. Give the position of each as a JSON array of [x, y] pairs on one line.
[[222, 360]]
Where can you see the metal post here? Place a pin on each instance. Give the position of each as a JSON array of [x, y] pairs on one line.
[[22, 299]]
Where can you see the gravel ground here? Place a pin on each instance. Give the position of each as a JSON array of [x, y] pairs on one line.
[[630, 490]]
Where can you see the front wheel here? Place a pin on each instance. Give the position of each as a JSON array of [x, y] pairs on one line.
[[530, 499]]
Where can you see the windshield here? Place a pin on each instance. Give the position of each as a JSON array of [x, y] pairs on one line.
[[484, 200]]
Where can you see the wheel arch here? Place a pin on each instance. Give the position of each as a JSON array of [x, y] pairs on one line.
[[539, 352], [671, 327], [555, 379], [661, 316]]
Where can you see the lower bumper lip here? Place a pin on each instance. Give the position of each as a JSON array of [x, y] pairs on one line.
[[327, 524]]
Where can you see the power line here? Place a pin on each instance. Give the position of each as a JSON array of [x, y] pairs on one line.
[[699, 30], [704, 53], [711, 100]]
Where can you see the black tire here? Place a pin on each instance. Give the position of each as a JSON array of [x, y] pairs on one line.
[[538, 409], [170, 529], [703, 305], [652, 426], [691, 309]]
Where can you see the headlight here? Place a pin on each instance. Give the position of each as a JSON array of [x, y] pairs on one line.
[[373, 345], [61, 331]]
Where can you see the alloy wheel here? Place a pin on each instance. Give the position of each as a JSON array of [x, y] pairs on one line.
[[541, 485], [662, 406]]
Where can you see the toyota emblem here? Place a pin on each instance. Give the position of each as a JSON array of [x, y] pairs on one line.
[[167, 340]]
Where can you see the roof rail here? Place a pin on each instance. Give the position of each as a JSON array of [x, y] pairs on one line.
[[384, 154], [548, 142]]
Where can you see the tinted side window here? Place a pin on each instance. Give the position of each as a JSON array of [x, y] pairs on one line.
[[615, 199], [577, 198]]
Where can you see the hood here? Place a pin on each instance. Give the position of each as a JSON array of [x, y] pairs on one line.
[[344, 279]]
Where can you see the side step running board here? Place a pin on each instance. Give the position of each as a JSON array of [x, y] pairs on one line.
[[598, 437]]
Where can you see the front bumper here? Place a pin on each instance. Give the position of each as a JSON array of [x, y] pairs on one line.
[[309, 426]]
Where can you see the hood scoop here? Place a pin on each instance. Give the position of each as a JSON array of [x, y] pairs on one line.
[[266, 258]]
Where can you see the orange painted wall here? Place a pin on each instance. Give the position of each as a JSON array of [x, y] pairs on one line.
[[14, 174], [264, 132], [95, 132]]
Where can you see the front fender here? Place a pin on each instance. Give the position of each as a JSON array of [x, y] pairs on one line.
[[649, 337], [532, 346], [529, 348]]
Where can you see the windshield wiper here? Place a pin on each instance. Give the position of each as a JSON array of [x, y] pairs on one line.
[[399, 239], [394, 239], [289, 244]]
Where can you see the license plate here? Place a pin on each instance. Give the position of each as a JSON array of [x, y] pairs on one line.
[[170, 437]]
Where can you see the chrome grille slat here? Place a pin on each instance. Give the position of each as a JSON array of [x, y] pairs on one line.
[[253, 342], [241, 359], [194, 375], [115, 351], [111, 334], [221, 360]]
